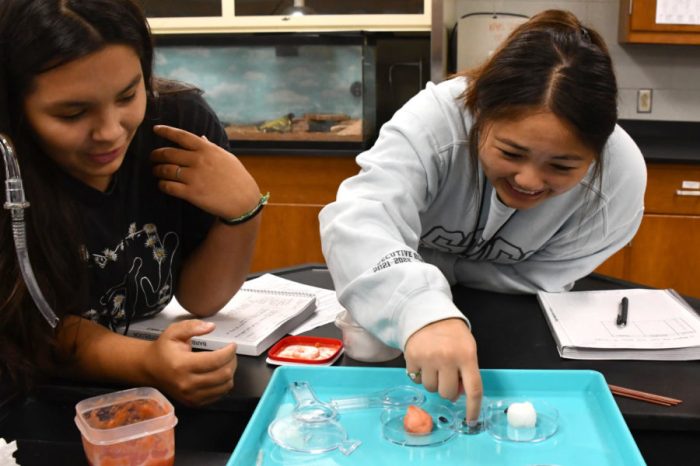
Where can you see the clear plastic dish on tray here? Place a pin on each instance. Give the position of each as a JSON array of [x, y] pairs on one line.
[[293, 434], [544, 426], [460, 409], [444, 421], [313, 427], [310, 409]]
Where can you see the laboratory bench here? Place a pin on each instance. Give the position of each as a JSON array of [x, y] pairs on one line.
[[511, 333]]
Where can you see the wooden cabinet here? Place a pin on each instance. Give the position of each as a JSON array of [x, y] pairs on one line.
[[638, 25], [299, 186], [234, 16], [665, 253]]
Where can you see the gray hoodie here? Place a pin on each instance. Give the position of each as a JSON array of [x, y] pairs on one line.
[[415, 221]]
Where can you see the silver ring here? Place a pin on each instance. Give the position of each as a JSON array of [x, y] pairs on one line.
[[414, 376], [177, 172]]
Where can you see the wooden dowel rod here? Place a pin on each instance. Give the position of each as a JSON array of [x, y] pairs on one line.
[[644, 396]]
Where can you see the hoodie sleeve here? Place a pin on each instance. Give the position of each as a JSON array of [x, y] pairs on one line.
[[370, 234]]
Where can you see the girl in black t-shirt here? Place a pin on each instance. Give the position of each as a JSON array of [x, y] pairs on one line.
[[134, 196]]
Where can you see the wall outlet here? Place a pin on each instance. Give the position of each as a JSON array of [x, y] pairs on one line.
[[644, 100]]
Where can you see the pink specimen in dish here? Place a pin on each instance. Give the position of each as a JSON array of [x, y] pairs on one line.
[[307, 352], [417, 421]]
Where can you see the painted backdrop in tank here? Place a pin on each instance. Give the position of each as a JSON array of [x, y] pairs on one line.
[[284, 92]]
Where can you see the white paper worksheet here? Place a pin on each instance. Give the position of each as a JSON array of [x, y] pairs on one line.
[[678, 11], [327, 305], [257, 316], [660, 324]]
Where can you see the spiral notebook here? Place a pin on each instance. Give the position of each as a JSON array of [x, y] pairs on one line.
[[255, 318]]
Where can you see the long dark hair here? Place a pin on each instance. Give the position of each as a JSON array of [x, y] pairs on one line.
[[36, 36], [553, 62]]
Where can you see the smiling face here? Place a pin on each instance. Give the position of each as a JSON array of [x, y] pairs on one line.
[[85, 112], [532, 158]]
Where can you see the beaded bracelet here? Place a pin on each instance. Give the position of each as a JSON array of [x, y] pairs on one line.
[[248, 215]]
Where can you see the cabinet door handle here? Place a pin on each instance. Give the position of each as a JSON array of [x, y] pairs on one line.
[[686, 192]]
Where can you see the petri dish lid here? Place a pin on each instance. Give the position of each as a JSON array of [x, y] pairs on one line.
[[305, 350], [496, 420], [293, 434], [443, 426]]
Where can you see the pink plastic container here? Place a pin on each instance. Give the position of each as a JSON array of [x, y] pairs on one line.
[[133, 427]]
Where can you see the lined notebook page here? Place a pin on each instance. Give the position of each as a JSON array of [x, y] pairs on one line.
[[327, 305]]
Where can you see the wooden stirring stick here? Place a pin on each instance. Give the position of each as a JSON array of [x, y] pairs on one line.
[[644, 396]]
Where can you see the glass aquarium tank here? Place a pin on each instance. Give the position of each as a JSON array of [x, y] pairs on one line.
[[199, 8], [281, 90], [327, 7], [179, 8]]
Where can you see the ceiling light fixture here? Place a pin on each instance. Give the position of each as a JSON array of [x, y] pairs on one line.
[[299, 9]]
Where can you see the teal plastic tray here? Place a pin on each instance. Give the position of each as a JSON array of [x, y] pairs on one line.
[[591, 428]]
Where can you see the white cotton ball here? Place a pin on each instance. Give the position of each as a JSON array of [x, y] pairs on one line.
[[521, 415], [7, 451]]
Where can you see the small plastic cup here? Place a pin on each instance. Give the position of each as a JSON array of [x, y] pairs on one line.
[[362, 345], [133, 427]]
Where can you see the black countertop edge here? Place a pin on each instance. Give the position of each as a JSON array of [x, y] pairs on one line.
[[656, 155], [665, 141], [665, 130], [672, 160], [669, 152], [309, 151]]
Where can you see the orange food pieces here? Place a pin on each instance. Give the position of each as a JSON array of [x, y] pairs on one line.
[[152, 450], [123, 414], [417, 421]]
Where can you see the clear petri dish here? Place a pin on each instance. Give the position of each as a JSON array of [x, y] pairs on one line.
[[460, 410], [443, 426], [296, 435], [496, 421]]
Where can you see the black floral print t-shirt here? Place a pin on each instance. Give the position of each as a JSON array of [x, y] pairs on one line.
[[138, 236]]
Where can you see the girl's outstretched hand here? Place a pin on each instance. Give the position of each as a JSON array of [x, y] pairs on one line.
[[193, 378], [442, 356], [203, 174]]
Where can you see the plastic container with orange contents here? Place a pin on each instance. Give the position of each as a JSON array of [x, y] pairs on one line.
[[133, 427]]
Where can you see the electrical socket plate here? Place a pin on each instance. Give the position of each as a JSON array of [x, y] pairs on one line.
[[644, 100]]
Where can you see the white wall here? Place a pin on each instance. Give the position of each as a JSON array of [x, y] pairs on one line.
[[672, 71]]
